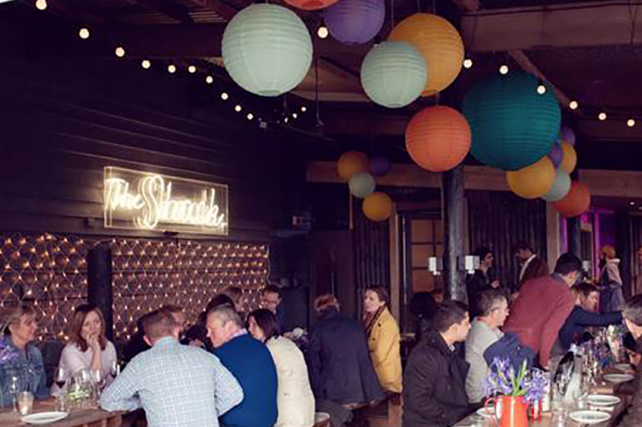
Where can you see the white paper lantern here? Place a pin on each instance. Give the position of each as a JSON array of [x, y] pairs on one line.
[[561, 187], [267, 49], [393, 74]]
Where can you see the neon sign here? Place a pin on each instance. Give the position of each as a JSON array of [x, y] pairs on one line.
[[149, 201]]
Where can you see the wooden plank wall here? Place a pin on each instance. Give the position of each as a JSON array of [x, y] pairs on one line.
[[61, 123]]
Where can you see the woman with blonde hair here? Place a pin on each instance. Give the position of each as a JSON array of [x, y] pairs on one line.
[[22, 368], [88, 347], [384, 340], [610, 281]]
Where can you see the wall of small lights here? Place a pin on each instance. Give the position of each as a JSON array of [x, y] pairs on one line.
[[51, 270]]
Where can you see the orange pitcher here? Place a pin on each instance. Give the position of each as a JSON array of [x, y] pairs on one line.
[[512, 410]]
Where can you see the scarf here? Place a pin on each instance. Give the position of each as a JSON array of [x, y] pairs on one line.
[[370, 319]]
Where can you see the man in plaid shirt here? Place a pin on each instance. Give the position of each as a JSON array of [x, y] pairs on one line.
[[176, 385]]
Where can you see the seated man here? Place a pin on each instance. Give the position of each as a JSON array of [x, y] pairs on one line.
[[250, 362], [583, 315], [434, 391], [633, 318], [543, 304], [176, 385], [484, 332]]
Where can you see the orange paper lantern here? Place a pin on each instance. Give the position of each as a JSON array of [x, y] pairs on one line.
[[311, 4], [569, 159], [439, 42], [350, 163], [438, 138], [377, 206], [576, 202], [532, 181]]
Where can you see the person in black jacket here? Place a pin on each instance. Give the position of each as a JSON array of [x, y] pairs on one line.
[[583, 315], [481, 280], [434, 393], [341, 373]]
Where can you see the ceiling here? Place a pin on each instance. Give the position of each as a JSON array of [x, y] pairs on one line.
[[588, 50]]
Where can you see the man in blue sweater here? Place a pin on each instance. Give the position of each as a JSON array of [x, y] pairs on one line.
[[250, 362]]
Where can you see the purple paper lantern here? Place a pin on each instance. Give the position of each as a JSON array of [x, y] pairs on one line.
[[556, 155], [355, 21], [379, 166], [567, 134]]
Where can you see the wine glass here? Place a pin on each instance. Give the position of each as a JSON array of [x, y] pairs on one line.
[[60, 377], [14, 389], [98, 378], [114, 369]]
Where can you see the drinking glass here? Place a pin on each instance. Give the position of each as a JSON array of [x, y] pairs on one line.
[[14, 389], [62, 402], [60, 377], [115, 369], [25, 402]]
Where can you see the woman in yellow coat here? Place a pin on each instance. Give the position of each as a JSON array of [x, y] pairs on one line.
[[385, 348]]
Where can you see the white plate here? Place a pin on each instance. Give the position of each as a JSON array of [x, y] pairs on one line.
[[618, 378], [483, 412], [624, 367], [44, 417], [603, 400], [589, 417]]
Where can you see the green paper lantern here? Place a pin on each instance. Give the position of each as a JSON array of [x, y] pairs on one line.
[[512, 124]]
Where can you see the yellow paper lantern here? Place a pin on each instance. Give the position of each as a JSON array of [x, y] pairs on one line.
[[532, 181], [569, 160], [439, 42], [350, 163], [377, 206]]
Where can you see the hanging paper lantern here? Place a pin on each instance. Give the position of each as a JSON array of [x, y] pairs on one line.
[[377, 206], [355, 21], [556, 154], [393, 74], [513, 126], [567, 134], [379, 166], [267, 49], [438, 138], [311, 4], [350, 163], [440, 44], [532, 181], [569, 159], [560, 188], [361, 185], [576, 202]]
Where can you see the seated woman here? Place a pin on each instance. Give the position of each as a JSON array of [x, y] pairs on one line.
[[295, 400], [583, 315], [22, 366], [384, 339], [88, 348]]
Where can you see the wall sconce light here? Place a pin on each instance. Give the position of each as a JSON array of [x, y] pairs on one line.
[[435, 265], [468, 263]]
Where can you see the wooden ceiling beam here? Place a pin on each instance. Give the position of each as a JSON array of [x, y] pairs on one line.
[[223, 9], [587, 24]]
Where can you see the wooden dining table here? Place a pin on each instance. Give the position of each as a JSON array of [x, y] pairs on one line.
[[92, 417]]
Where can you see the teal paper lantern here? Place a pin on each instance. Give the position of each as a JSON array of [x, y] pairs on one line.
[[267, 49], [512, 124], [361, 185], [393, 74], [561, 187]]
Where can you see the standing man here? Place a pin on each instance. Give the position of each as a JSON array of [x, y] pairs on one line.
[[434, 391], [250, 362], [543, 304], [176, 385], [271, 300], [532, 266]]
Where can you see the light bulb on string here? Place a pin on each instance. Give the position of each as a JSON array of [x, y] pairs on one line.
[[541, 88], [41, 4], [295, 115], [238, 108], [209, 80], [191, 69], [83, 33], [322, 32], [630, 123], [602, 116], [171, 68], [225, 96], [120, 51], [146, 64], [250, 116], [468, 63], [304, 109], [503, 70], [573, 105]]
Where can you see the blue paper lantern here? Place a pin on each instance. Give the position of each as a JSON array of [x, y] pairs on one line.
[[355, 21], [361, 185], [512, 125], [267, 49], [393, 74], [561, 187]]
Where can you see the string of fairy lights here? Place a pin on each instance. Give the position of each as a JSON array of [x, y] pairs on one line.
[[284, 118]]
